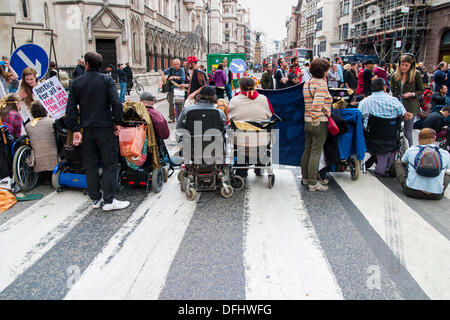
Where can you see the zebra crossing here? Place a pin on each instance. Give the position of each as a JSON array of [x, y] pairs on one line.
[[359, 240]]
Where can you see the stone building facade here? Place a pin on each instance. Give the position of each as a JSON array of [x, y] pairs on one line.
[[148, 34], [437, 46]]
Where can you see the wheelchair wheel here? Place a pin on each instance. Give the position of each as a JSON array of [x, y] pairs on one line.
[[180, 176], [191, 194], [139, 89], [271, 181], [225, 193], [24, 175], [404, 145], [55, 181], [355, 168], [157, 180], [238, 183]]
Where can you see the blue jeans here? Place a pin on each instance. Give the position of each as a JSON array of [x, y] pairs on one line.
[[123, 91], [228, 91]]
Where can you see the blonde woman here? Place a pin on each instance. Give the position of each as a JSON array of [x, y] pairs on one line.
[[28, 82], [6, 78], [407, 86]]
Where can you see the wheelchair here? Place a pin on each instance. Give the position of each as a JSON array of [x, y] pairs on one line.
[[205, 168], [255, 149]]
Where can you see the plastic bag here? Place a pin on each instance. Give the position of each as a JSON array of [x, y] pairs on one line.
[[7, 200], [131, 141]]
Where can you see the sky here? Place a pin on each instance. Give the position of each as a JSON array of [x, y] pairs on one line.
[[269, 16]]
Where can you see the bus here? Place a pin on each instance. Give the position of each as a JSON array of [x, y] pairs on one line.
[[302, 54]]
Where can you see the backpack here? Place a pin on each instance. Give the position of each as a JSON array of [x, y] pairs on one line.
[[428, 162]]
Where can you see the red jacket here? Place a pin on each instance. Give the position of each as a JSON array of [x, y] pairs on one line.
[[159, 123], [360, 88]]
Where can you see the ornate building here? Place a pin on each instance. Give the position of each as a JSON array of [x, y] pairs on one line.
[[146, 33]]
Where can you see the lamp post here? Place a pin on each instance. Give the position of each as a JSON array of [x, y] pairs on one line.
[[208, 11]]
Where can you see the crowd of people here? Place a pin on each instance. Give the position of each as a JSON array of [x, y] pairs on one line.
[[382, 90]]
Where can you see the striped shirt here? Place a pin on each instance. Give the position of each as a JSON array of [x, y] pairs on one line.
[[317, 101], [382, 105]]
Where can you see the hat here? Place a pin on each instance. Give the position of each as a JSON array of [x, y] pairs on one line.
[[111, 66], [191, 59], [208, 91], [119, 64], [147, 96]]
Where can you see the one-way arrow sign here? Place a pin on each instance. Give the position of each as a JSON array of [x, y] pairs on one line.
[[238, 66], [30, 56]]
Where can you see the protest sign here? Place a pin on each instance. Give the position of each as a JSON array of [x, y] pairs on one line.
[[52, 96]]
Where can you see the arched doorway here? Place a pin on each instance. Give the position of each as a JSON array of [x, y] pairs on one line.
[[444, 49]]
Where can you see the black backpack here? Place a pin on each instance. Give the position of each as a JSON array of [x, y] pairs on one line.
[[428, 162]]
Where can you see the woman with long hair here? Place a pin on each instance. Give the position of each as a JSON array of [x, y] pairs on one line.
[[28, 82], [407, 86]]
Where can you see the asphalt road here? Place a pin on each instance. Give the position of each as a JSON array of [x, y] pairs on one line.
[[359, 240]]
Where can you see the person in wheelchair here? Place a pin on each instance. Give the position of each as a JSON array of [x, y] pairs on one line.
[[383, 109], [10, 115], [159, 123], [249, 105], [40, 131], [422, 169]]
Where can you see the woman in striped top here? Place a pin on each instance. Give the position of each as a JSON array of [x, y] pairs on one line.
[[317, 109]]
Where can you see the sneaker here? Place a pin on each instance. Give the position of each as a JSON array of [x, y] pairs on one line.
[[97, 203], [116, 205], [318, 187]]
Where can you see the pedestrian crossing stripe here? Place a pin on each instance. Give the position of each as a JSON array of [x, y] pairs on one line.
[[282, 253]]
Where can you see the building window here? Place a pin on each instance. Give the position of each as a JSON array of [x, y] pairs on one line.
[[345, 31], [345, 8], [323, 46], [319, 13], [25, 9], [319, 26], [226, 25], [166, 8]]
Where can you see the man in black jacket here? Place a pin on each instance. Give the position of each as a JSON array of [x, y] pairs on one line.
[[129, 73], [436, 121], [79, 69], [122, 76], [100, 112]]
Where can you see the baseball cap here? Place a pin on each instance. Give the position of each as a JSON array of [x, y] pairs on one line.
[[147, 96], [191, 59]]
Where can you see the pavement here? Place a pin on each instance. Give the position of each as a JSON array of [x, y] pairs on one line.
[[359, 240]]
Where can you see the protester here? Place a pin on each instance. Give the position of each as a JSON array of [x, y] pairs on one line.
[[425, 108], [100, 112], [447, 97], [220, 81], [6, 77], [424, 74], [205, 99], [380, 71], [42, 139], [281, 75], [382, 105], [122, 82], [350, 76], [368, 77], [436, 121], [14, 84], [159, 123], [317, 110], [177, 75], [438, 98], [340, 70], [293, 80], [198, 78], [210, 76], [53, 72], [249, 105], [10, 115], [129, 73], [79, 69], [28, 82], [360, 87], [267, 77], [295, 68], [407, 85], [109, 70], [306, 74], [229, 75], [333, 77], [410, 171], [440, 75]]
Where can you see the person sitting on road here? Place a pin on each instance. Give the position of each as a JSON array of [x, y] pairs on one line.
[[425, 174], [381, 104], [438, 98], [42, 139], [293, 80], [249, 105], [159, 123], [436, 121], [10, 115]]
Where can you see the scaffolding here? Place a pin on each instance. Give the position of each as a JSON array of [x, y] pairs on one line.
[[388, 28]]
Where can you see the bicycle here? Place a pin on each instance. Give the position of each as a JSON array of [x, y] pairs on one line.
[[139, 88]]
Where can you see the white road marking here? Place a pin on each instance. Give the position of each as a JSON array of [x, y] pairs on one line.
[[29, 235], [135, 262], [422, 250], [282, 254]]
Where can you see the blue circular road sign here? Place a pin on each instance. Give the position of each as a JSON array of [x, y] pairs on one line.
[[29, 56], [238, 66]]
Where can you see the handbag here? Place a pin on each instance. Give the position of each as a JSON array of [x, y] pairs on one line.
[[332, 127], [165, 88]]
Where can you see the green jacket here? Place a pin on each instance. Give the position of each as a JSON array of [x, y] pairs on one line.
[[267, 81], [411, 104]]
